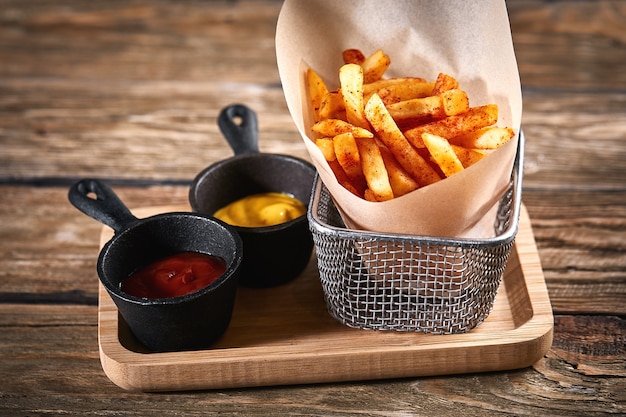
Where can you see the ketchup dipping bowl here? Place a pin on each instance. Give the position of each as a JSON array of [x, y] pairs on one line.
[[191, 321], [275, 254]]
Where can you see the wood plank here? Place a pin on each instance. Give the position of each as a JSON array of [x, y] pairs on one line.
[[578, 129], [138, 40], [50, 248], [127, 30], [150, 90], [576, 45], [582, 244], [39, 375], [133, 132]]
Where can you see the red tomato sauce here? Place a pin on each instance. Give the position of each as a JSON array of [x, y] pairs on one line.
[[176, 275]]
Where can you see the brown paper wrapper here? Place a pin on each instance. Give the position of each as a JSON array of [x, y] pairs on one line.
[[469, 40]]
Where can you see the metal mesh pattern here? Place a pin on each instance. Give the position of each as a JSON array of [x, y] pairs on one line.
[[408, 283]]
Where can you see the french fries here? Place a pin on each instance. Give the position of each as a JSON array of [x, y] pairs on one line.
[[374, 66], [385, 137], [400, 180], [317, 91], [374, 170], [394, 90], [473, 119], [332, 106], [444, 83], [353, 56], [468, 156], [392, 137], [348, 156], [484, 138], [442, 153], [327, 146], [415, 111], [351, 81], [334, 127]]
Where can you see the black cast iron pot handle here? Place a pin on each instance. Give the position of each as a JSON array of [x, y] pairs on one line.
[[98, 201], [239, 126]]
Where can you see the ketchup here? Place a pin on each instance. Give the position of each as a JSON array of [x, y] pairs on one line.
[[176, 275]]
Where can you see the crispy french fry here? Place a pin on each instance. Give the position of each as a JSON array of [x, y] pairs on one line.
[[317, 90], [473, 119], [454, 102], [486, 138], [424, 110], [416, 85], [348, 155], [331, 106], [443, 83], [394, 90], [351, 81], [334, 127], [374, 170], [369, 195], [355, 187], [417, 109], [400, 180], [443, 154], [374, 66], [389, 133], [327, 147], [469, 157], [353, 56]]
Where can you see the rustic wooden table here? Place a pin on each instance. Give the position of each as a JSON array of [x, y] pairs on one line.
[[129, 92]]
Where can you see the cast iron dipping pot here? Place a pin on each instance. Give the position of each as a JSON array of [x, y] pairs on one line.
[[188, 322], [273, 254]]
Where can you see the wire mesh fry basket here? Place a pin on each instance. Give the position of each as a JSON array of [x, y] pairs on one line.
[[382, 281]]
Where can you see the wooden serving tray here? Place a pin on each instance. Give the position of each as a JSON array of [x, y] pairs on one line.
[[284, 335]]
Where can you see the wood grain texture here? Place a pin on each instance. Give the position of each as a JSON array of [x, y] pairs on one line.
[[567, 45], [147, 96], [129, 92], [45, 378]]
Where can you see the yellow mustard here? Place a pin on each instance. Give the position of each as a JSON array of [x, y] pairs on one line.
[[259, 210]]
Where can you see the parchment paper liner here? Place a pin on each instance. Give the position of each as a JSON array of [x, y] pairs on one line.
[[468, 40]]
